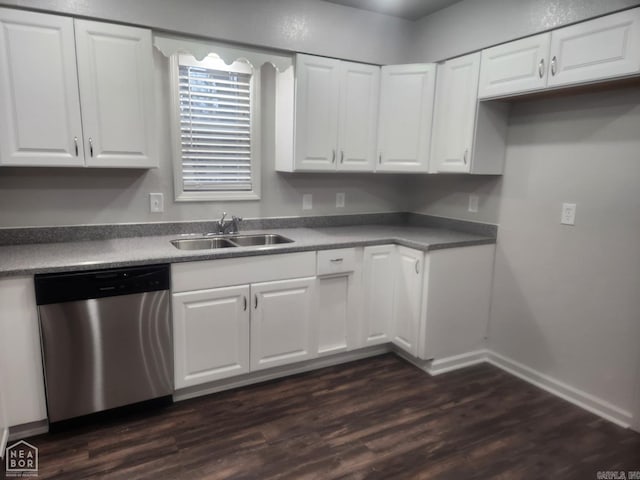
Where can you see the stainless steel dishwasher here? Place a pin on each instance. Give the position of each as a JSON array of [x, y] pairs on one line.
[[106, 338]]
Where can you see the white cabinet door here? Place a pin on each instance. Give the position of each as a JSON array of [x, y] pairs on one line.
[[602, 48], [281, 322], [407, 299], [211, 335], [378, 278], [455, 114], [515, 67], [20, 355], [39, 104], [358, 121], [406, 111], [333, 314], [316, 112], [115, 70]]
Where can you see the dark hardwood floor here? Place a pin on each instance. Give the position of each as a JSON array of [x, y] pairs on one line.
[[376, 418]]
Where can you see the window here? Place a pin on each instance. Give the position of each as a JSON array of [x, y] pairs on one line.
[[216, 134]]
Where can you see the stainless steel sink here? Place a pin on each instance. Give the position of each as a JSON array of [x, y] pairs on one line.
[[257, 240], [210, 243], [202, 243]]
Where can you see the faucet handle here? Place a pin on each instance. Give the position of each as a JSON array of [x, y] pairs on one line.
[[236, 223], [224, 214]]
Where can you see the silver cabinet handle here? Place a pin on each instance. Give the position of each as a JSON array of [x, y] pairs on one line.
[[380, 159], [336, 260], [75, 141], [541, 68], [554, 60], [90, 146], [245, 303], [464, 156], [417, 266], [341, 156], [333, 156], [255, 302]]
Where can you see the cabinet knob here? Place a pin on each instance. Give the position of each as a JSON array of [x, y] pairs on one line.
[[341, 156], [90, 146], [554, 61], [464, 156], [245, 303], [417, 266], [75, 141], [541, 68], [380, 159], [333, 156], [255, 301]]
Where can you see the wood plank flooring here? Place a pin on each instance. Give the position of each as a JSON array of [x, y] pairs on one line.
[[375, 418]]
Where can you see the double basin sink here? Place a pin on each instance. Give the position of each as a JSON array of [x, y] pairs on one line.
[[213, 242]]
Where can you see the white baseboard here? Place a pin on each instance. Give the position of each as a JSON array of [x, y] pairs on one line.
[[565, 391], [449, 364], [278, 372], [4, 438]]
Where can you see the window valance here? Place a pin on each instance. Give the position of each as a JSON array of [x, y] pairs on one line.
[[170, 45]]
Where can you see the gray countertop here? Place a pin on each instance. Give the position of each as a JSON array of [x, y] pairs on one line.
[[86, 255]]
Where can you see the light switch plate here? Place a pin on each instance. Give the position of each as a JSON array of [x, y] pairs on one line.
[[568, 214], [473, 203], [307, 201], [156, 202], [339, 200]]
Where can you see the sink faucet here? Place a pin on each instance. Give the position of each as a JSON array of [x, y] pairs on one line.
[[230, 226]]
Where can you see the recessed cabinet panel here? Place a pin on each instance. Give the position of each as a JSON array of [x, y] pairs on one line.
[[378, 284], [316, 126], [39, 105], [115, 72], [333, 314], [359, 92], [211, 335], [406, 109], [515, 67], [407, 299], [455, 114], [605, 47], [281, 322]]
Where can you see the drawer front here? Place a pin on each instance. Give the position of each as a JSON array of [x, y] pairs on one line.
[[341, 260], [238, 271]]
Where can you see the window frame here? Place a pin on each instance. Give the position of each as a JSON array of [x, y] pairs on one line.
[[214, 62]]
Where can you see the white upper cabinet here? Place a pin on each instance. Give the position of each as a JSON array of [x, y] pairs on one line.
[[83, 99], [455, 114], [39, 103], [115, 70], [515, 67], [316, 114], [336, 111], [598, 49], [358, 122], [592, 51], [406, 111]]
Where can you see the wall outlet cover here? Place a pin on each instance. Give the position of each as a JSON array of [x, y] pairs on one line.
[[307, 201], [474, 200], [340, 200], [568, 214]]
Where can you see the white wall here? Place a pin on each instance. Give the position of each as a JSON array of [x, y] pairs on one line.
[[59, 196], [565, 299], [308, 26], [475, 24]]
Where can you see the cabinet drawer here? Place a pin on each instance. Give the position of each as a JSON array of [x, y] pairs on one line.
[[341, 260]]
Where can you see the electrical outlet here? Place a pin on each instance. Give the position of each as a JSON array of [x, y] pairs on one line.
[[307, 201], [339, 200], [156, 202], [568, 214], [473, 203]]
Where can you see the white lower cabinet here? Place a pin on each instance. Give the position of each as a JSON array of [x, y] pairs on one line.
[[20, 356], [211, 335], [378, 278], [407, 299], [281, 322]]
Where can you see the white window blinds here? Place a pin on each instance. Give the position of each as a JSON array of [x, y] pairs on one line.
[[215, 105]]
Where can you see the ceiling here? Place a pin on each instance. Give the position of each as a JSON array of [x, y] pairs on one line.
[[409, 9]]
